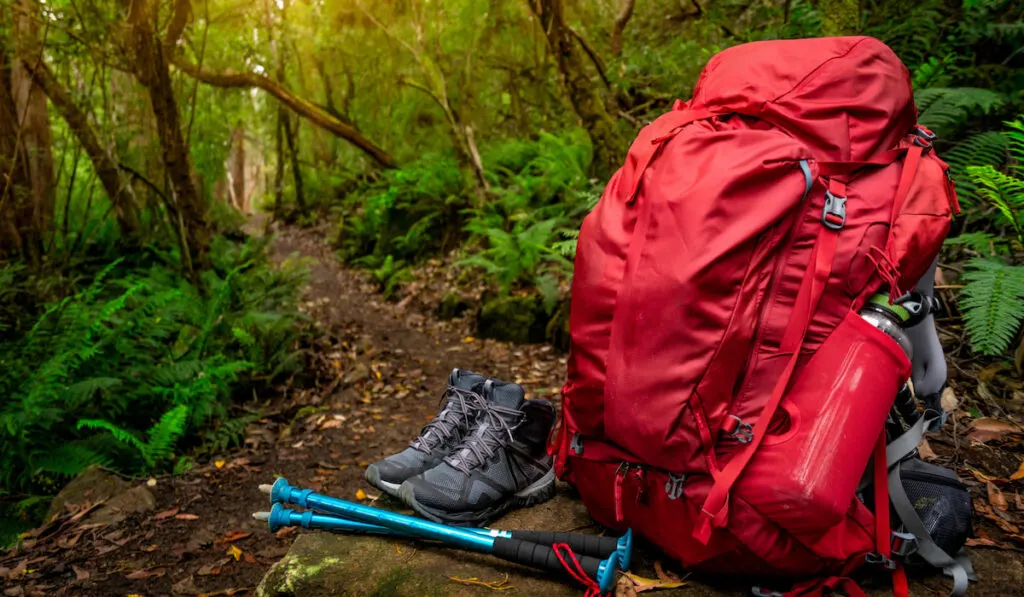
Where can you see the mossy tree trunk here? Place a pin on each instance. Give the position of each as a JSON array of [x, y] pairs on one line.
[[587, 95], [839, 17]]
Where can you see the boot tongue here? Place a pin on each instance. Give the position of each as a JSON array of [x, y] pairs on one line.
[[465, 380], [506, 395]]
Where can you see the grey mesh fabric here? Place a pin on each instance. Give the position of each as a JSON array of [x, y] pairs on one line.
[[929, 372]]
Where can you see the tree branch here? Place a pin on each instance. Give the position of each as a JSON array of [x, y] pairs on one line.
[[625, 13], [181, 12], [598, 64], [306, 109]]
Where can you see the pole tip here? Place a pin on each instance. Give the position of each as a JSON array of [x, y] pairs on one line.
[[261, 515], [266, 488]]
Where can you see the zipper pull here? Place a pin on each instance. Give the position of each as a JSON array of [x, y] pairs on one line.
[[620, 476], [638, 474]]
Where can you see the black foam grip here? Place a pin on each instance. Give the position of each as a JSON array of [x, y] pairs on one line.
[[581, 543], [540, 556]]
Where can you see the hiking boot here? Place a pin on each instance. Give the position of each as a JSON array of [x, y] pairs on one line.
[[500, 465], [436, 439]]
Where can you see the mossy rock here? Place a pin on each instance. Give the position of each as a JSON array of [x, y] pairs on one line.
[[322, 564], [452, 305], [520, 319]]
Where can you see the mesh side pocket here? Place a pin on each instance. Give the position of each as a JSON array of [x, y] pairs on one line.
[[941, 501]]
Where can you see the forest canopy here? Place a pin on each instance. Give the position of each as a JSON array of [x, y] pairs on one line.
[[137, 137]]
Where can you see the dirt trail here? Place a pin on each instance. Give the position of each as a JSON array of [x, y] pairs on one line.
[[386, 366]]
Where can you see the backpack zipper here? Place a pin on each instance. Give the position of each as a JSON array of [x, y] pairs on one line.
[[773, 284]]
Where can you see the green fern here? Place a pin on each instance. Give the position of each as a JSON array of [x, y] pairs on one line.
[[946, 109], [1002, 191], [984, 149], [981, 243], [992, 302]]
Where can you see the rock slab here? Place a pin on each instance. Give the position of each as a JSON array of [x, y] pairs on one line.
[[321, 564]]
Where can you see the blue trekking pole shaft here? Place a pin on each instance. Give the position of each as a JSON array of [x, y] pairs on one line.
[[506, 548], [588, 545]]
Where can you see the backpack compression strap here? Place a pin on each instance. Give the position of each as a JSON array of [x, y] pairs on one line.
[[714, 512]]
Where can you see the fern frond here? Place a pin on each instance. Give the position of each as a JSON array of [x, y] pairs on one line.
[[984, 149], [982, 243], [945, 109], [165, 433], [121, 435], [1002, 191], [992, 302]]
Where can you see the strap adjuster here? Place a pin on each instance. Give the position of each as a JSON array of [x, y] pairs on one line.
[[903, 544], [742, 432], [576, 444], [877, 559], [833, 215], [763, 592], [923, 137], [674, 486]]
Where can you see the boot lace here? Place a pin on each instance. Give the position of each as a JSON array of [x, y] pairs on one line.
[[494, 425], [461, 410]]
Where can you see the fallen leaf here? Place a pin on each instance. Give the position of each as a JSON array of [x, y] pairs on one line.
[[949, 400], [641, 584], [187, 517], [80, 573], [663, 574], [219, 463], [996, 498], [225, 592], [360, 494], [235, 553], [234, 536], [469, 339], [494, 585], [250, 558], [14, 592], [166, 514], [150, 548], [980, 476], [1019, 501], [987, 429], [1019, 474], [143, 574], [924, 450], [982, 542]]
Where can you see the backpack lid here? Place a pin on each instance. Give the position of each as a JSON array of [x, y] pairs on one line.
[[847, 98]]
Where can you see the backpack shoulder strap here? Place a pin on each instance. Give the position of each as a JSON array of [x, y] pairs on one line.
[[714, 512]]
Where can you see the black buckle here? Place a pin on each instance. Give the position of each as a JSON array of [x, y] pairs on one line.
[[877, 559], [674, 486], [903, 544], [917, 304], [576, 444], [924, 138], [744, 432], [833, 215]]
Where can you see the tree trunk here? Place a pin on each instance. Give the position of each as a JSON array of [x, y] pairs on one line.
[[625, 13], [14, 176], [35, 138], [839, 17], [237, 167], [120, 193], [586, 96], [293, 150], [151, 68], [279, 171]]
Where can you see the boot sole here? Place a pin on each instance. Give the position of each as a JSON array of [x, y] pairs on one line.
[[537, 492], [373, 478]]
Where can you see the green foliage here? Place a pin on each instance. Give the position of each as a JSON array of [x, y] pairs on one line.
[[992, 302], [140, 365], [945, 109], [519, 255]]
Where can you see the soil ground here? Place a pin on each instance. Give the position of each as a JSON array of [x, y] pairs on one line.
[[382, 367]]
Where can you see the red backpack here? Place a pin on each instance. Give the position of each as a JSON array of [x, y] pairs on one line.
[[724, 396]]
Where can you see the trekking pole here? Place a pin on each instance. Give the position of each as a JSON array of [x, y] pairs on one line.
[[598, 573], [580, 543]]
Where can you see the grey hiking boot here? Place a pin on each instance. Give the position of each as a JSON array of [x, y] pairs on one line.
[[436, 439], [501, 464]]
